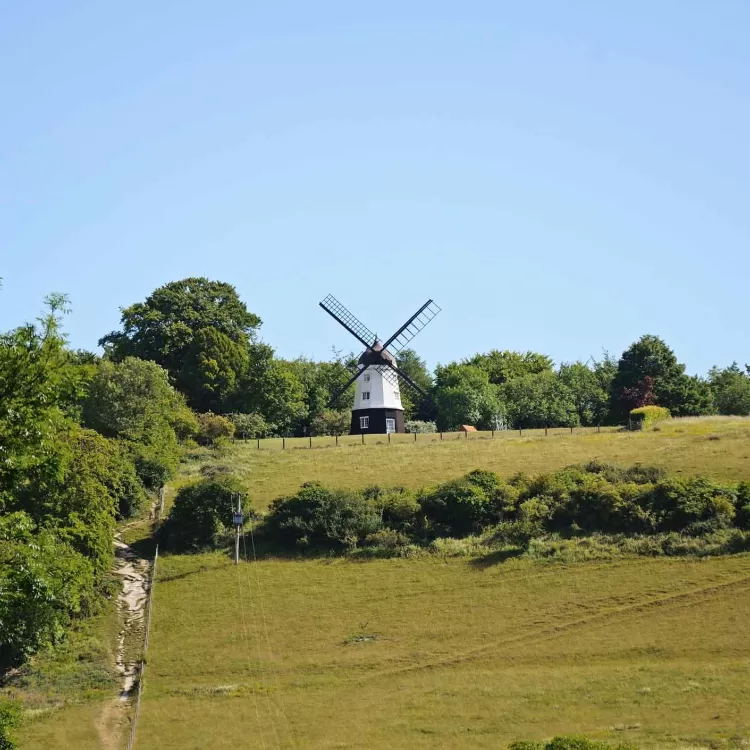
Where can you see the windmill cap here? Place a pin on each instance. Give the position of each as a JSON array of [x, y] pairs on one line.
[[375, 354]]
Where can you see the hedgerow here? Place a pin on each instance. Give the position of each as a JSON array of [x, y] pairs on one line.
[[589, 499]]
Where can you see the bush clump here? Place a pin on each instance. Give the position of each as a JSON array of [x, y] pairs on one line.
[[202, 514], [418, 426], [250, 426], [645, 416], [213, 429], [320, 517], [570, 742]]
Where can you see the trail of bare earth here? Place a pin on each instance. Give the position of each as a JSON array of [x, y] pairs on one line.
[[131, 604]]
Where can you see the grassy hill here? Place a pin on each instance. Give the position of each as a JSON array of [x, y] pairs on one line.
[[717, 448], [442, 652]]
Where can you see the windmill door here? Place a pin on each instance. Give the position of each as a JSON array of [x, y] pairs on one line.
[[390, 425]]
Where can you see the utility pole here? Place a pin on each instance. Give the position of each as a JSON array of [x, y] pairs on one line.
[[237, 519]]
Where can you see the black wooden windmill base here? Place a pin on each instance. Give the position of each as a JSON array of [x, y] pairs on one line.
[[377, 421], [378, 361]]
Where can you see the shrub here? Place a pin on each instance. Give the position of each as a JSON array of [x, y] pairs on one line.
[[251, 426], [201, 514], [331, 422], [457, 508], [44, 582], [742, 518], [213, 429], [320, 517], [387, 539], [416, 425], [645, 416], [398, 507], [567, 743], [10, 717], [693, 505]]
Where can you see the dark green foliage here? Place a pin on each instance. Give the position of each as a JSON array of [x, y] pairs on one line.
[[542, 400], [331, 422], [44, 582], [458, 508], [319, 517], [570, 742], [201, 514], [133, 401], [10, 717], [248, 426], [198, 330], [589, 391], [415, 407], [595, 498], [464, 395], [503, 366], [648, 372], [731, 389]]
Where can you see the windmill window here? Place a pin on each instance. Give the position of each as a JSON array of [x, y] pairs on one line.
[[367, 378], [365, 395], [390, 425], [364, 423]]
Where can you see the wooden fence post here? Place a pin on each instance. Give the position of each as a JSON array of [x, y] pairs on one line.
[[571, 430], [337, 441], [389, 438], [415, 437], [258, 443], [545, 430], [363, 438], [283, 443], [441, 435], [520, 434]]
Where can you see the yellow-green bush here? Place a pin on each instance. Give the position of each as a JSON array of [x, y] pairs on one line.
[[645, 416]]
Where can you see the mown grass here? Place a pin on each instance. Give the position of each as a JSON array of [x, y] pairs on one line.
[[447, 653], [718, 448]]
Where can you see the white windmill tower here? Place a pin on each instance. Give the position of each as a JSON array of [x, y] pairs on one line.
[[377, 400]]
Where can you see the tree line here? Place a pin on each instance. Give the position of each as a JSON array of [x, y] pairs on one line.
[[207, 341]]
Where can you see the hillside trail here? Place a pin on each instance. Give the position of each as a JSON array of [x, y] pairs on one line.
[[133, 570]]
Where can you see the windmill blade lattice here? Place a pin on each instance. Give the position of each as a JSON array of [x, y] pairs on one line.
[[352, 324], [412, 327]]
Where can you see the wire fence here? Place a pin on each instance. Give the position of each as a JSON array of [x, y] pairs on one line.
[[339, 441]]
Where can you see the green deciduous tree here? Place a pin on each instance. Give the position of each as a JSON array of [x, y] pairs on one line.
[[650, 357], [415, 407], [134, 401], [172, 328], [502, 366], [463, 394], [543, 400], [731, 389], [589, 393]]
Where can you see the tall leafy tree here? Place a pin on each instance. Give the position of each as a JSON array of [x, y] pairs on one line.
[[415, 407], [541, 400], [651, 358], [502, 366], [272, 388], [588, 391], [731, 389], [464, 395], [170, 328]]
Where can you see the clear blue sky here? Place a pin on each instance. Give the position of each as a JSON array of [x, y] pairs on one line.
[[561, 177]]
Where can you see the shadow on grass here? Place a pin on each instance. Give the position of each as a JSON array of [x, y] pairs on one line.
[[496, 558]]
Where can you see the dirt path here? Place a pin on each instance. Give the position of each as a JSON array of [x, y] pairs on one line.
[[131, 605]]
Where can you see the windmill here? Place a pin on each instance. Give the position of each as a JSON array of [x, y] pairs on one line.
[[377, 401]]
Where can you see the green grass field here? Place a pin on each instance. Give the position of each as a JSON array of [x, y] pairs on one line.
[[717, 448], [441, 652]]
